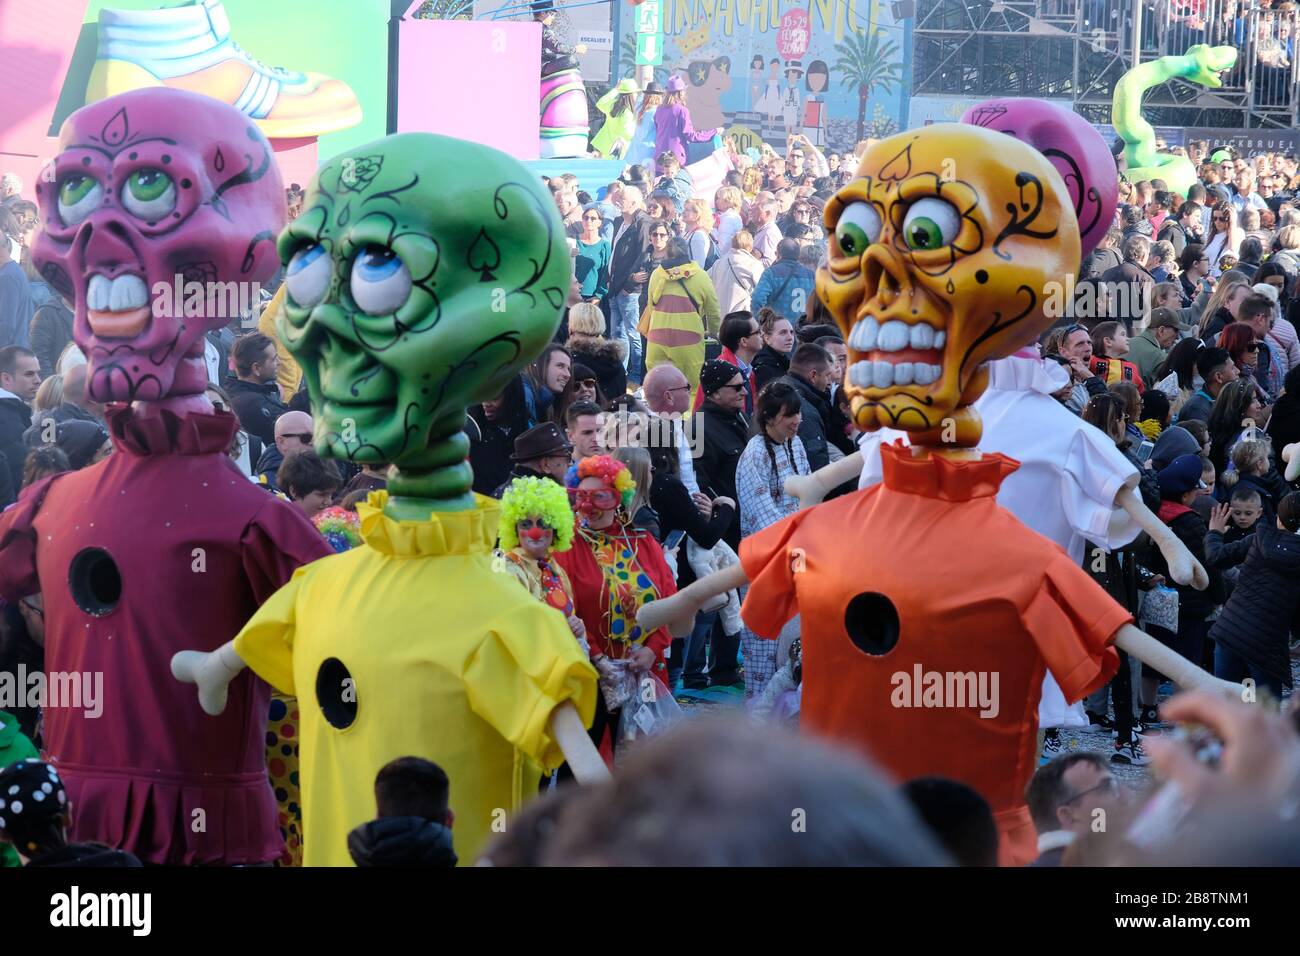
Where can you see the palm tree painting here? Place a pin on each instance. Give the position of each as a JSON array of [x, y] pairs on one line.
[[870, 65], [627, 60]]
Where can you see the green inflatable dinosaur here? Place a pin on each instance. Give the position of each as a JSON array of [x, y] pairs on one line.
[[1200, 64]]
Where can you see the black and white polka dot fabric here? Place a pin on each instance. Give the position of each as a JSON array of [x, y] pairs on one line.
[[31, 798]]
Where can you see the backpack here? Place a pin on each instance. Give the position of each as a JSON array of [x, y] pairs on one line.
[[711, 256]]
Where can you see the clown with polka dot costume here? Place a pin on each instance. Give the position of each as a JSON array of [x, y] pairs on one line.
[[616, 568]]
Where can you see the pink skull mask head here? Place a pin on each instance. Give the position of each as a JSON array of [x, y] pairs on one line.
[[160, 214]]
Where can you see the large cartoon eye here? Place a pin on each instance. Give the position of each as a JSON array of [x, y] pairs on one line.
[[79, 196], [859, 227], [930, 224], [149, 194], [308, 276], [380, 280]]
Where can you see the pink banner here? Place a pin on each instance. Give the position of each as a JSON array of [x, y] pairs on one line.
[[478, 80]]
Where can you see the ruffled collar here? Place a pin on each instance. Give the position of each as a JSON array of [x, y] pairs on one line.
[[1027, 372], [943, 478], [167, 433], [446, 532]]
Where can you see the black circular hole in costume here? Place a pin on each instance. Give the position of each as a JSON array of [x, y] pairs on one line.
[[336, 692], [95, 582], [872, 623]]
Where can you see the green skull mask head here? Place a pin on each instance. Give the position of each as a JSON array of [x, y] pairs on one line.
[[423, 273]]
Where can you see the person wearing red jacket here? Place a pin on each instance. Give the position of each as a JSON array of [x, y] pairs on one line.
[[1109, 346], [741, 339]]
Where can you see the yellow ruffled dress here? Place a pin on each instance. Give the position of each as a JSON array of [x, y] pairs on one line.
[[412, 645]]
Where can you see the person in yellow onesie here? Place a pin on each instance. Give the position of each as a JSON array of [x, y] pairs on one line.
[[682, 308], [412, 644]]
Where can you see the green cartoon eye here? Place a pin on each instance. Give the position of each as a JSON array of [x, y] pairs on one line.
[[859, 227], [149, 194], [381, 282], [930, 224], [79, 196], [307, 277]]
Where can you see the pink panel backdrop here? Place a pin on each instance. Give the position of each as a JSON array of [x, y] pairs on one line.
[[477, 80], [37, 40]]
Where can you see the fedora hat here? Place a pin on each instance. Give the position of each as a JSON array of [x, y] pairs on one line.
[[540, 441]]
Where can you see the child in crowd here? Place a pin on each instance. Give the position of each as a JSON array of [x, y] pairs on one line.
[[309, 481], [34, 817], [1109, 346], [412, 797], [1244, 509]]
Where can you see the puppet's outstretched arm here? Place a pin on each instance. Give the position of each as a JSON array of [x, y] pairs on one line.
[[677, 612], [211, 672], [1183, 568], [1173, 665], [580, 753], [811, 489]]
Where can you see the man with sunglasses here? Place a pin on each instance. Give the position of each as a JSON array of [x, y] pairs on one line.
[[293, 433], [1067, 797]]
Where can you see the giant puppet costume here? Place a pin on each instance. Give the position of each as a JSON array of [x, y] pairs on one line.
[[165, 544], [940, 589], [423, 274], [1073, 485]]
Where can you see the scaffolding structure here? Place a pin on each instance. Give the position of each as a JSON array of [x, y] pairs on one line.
[[1076, 50]]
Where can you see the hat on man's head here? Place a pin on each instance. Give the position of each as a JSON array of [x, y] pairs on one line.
[[1165, 318], [715, 374], [1180, 476], [541, 441], [676, 84], [796, 65]]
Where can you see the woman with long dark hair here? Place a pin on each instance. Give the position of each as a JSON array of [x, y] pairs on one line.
[[614, 138], [1236, 403], [1195, 266], [772, 455], [548, 385], [1176, 376], [1225, 239]]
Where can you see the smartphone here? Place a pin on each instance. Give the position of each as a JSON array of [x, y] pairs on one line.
[[674, 539], [1145, 449]]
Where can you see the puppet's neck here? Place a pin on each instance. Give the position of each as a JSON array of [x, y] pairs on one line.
[[439, 480], [958, 436], [180, 405]]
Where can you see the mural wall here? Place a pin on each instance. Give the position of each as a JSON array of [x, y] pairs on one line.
[[832, 70]]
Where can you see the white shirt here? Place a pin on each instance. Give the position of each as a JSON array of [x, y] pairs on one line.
[[729, 224]]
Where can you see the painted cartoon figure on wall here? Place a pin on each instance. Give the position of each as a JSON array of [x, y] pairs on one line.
[[755, 88], [709, 81], [423, 274], [165, 544], [792, 97], [954, 266], [769, 104], [814, 108]]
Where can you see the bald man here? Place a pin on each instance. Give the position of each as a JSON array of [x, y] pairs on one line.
[[76, 405], [293, 432], [668, 395]]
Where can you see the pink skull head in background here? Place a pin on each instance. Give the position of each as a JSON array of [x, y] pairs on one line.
[[151, 185]]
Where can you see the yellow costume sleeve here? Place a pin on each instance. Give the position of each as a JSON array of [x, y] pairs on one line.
[[606, 102], [658, 279], [526, 666], [290, 375], [710, 312], [266, 642]]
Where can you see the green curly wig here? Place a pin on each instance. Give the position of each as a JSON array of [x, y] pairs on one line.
[[536, 498]]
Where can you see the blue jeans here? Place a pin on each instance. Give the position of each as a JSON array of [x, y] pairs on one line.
[[624, 314], [1231, 666], [693, 656]]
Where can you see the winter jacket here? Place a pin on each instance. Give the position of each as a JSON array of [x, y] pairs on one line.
[[786, 288], [257, 406], [676, 510], [735, 276], [15, 419], [726, 433], [1172, 231], [1098, 262], [1285, 344], [1173, 441], [679, 188], [490, 446], [51, 331], [1284, 425], [673, 130], [402, 841], [1111, 370], [603, 357], [1145, 353], [15, 304], [1191, 530], [768, 364], [726, 355], [629, 250], [620, 127], [268, 465], [1257, 621], [682, 304]]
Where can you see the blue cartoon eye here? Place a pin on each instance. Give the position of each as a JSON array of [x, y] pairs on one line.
[[381, 282], [308, 276]]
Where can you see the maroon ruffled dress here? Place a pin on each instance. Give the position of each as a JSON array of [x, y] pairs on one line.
[[164, 546]]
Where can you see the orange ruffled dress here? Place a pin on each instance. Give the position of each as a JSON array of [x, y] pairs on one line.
[[937, 580]]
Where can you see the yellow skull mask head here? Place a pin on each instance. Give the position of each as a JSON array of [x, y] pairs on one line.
[[941, 253]]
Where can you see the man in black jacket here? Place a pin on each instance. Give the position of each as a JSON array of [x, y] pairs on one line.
[[812, 370], [627, 277], [20, 377], [1186, 228], [541, 452], [773, 359], [721, 420], [253, 391]]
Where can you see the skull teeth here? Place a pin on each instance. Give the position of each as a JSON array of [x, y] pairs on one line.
[[869, 335], [881, 374], [122, 294]]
